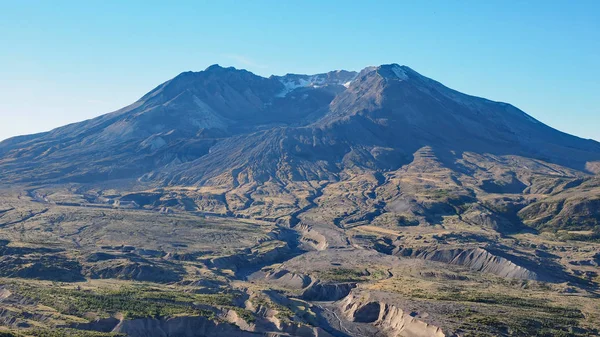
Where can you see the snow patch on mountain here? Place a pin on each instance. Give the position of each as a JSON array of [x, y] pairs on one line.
[[399, 72], [292, 82]]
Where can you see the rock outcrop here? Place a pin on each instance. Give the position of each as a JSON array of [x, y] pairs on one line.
[[288, 279], [327, 291], [390, 319], [251, 258], [312, 237]]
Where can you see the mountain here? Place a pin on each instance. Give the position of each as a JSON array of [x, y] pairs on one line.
[[238, 138], [378, 202], [390, 109]]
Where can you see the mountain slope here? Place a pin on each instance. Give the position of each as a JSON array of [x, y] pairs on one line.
[[177, 121], [378, 124]]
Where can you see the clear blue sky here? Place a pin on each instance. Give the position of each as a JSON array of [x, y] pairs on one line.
[[65, 61]]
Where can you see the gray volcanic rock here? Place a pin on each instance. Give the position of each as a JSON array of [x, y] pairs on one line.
[[288, 279], [327, 291], [391, 319], [481, 260]]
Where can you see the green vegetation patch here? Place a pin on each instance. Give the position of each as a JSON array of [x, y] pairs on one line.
[[63, 332], [520, 316], [132, 302], [592, 237], [540, 305], [522, 324], [71, 333]]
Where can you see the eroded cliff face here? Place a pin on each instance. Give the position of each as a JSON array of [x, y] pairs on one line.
[[288, 279], [478, 259], [312, 237], [327, 291], [250, 259], [390, 319]]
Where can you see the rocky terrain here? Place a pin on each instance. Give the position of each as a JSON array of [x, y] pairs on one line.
[[371, 203]]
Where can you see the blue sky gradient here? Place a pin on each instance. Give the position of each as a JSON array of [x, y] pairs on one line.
[[65, 61]]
